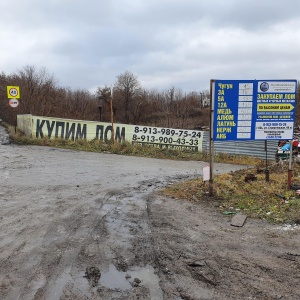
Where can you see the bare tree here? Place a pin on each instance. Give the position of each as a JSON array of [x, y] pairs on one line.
[[127, 88], [38, 90], [41, 96], [139, 109]]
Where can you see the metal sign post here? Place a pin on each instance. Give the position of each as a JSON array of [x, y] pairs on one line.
[[290, 171], [267, 170], [211, 141]]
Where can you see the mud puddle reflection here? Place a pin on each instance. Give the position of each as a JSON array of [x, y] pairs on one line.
[[114, 279], [149, 279]]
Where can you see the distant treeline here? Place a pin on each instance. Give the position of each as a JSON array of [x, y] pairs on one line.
[[132, 104]]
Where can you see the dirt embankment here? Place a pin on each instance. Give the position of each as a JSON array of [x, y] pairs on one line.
[[78, 225]]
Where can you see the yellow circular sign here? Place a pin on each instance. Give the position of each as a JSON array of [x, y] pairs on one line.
[[13, 92]]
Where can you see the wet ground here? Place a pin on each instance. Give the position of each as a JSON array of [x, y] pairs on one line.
[[77, 225]]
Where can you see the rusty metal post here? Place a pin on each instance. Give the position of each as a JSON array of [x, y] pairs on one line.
[[211, 162], [211, 143], [267, 173], [290, 171]]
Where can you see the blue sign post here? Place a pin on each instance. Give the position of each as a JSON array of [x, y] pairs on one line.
[[253, 109]]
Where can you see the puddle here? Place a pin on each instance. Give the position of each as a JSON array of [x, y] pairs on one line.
[[114, 279], [55, 291], [77, 285], [149, 279]]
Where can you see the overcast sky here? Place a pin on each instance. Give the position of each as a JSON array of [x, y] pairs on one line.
[[165, 43]]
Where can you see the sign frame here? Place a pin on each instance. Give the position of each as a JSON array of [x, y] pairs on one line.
[[253, 109], [13, 92]]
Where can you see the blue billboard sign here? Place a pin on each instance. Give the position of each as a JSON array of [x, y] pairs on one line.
[[253, 109]]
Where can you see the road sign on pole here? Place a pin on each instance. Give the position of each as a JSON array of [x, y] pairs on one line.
[[13, 92], [13, 103], [253, 109]]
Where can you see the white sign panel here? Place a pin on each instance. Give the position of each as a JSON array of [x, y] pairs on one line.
[[13, 103], [206, 173]]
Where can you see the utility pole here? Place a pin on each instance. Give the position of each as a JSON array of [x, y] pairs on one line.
[[100, 112], [112, 117]]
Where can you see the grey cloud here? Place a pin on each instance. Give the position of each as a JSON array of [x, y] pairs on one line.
[[166, 43]]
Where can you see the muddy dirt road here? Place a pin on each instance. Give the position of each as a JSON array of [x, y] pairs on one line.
[[78, 225]]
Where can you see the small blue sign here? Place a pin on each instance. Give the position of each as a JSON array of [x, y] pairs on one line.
[[253, 109]]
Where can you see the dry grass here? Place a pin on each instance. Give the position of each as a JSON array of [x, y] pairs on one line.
[[272, 201], [126, 148]]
